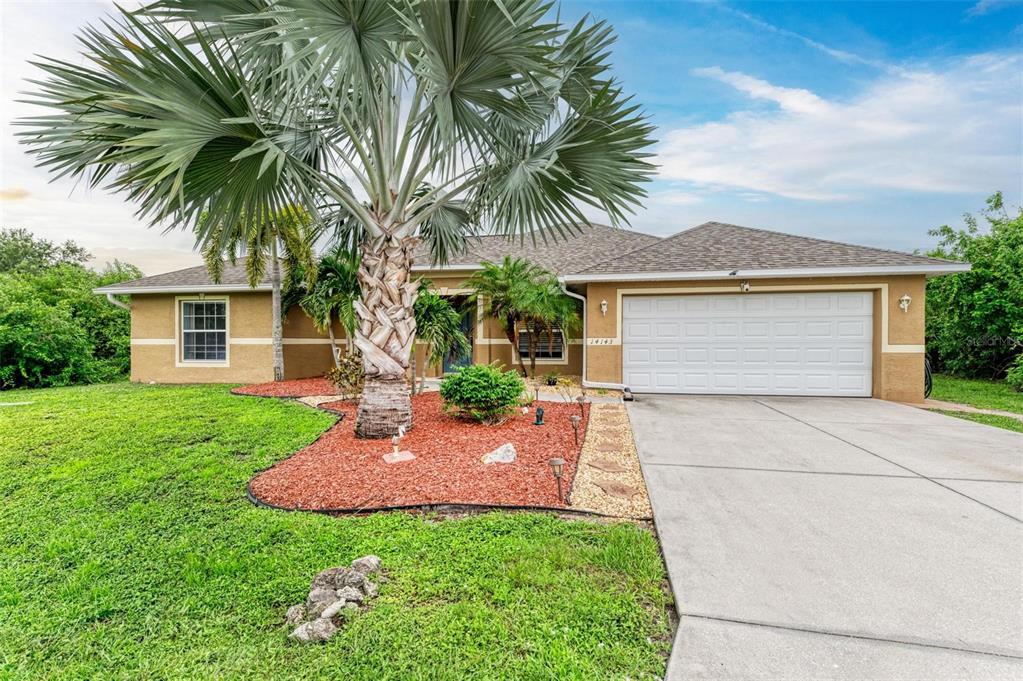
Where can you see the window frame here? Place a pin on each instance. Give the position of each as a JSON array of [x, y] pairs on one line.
[[179, 331], [523, 339]]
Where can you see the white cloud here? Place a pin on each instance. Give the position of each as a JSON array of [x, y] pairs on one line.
[[953, 130]]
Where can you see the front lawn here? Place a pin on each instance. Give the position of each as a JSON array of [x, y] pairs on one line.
[[983, 395], [128, 550], [977, 393]]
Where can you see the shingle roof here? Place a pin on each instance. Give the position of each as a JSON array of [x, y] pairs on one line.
[[572, 252], [717, 246], [603, 250], [233, 276]]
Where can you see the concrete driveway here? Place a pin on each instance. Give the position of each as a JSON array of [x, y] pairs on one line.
[[835, 538]]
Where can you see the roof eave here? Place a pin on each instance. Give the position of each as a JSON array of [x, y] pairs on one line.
[[802, 272], [206, 288]]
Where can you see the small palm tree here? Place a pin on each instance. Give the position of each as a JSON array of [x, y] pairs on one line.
[[351, 107], [333, 295], [439, 327], [543, 307], [505, 289], [284, 235]]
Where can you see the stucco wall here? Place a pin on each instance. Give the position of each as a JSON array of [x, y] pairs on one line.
[[154, 345], [898, 372], [898, 369], [306, 351]]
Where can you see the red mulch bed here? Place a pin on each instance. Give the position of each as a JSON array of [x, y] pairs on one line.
[[341, 472], [299, 387]]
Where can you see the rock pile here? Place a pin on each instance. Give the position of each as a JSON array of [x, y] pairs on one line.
[[334, 595]]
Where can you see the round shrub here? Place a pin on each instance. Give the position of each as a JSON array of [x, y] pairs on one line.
[[482, 392]]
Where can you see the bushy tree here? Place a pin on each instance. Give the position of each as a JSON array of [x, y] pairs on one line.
[[236, 108], [975, 318], [53, 329], [23, 253]]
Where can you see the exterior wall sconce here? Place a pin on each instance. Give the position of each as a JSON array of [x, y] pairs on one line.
[[744, 286], [603, 308], [904, 302]]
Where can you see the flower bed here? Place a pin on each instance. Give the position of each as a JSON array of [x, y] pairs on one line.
[[299, 387], [341, 472]]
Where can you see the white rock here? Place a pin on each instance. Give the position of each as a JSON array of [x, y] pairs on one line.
[[333, 609], [295, 614], [315, 631], [504, 454], [350, 594], [367, 564]]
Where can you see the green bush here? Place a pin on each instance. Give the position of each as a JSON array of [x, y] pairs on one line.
[[40, 345], [1014, 376], [53, 329], [975, 318], [482, 392]]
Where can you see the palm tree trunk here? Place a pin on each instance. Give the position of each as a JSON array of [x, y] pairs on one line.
[[333, 341], [513, 338], [385, 335], [532, 352], [276, 330]]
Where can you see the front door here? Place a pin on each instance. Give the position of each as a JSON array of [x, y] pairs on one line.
[[455, 362]]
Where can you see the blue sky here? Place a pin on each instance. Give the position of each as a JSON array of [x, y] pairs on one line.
[[866, 122]]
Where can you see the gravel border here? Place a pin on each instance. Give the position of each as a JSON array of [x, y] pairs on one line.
[[609, 439]]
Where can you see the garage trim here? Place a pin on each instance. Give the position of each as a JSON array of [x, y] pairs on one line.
[[792, 288]]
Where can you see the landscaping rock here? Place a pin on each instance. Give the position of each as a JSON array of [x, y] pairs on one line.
[[353, 579], [607, 465], [331, 578], [367, 565], [350, 594], [320, 595], [317, 631], [617, 489], [333, 594], [398, 457], [295, 614], [504, 454], [333, 609]]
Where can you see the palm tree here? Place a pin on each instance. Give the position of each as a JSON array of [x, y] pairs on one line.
[[282, 235], [439, 327], [543, 307], [239, 107], [504, 289], [333, 295]]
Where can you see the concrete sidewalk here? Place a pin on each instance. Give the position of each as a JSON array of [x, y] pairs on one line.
[[825, 538]]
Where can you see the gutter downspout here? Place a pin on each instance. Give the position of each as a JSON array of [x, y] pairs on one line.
[[117, 303], [586, 383]]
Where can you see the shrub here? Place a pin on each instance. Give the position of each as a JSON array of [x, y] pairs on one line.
[[41, 345], [975, 318], [482, 392], [348, 377], [1014, 376]]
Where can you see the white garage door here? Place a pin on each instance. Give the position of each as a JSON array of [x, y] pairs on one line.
[[749, 344]]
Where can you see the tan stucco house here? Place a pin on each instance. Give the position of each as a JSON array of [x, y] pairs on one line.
[[717, 309]]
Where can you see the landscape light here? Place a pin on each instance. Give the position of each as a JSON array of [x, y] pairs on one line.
[[558, 468]]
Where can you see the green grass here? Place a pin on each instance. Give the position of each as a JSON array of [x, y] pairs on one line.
[[128, 551], [977, 393], [1006, 422]]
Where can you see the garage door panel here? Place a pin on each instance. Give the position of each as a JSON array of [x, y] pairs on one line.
[[786, 344]]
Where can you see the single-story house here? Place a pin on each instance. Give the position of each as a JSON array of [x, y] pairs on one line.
[[717, 308]]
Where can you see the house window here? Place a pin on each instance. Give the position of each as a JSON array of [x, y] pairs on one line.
[[204, 331], [550, 346]]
